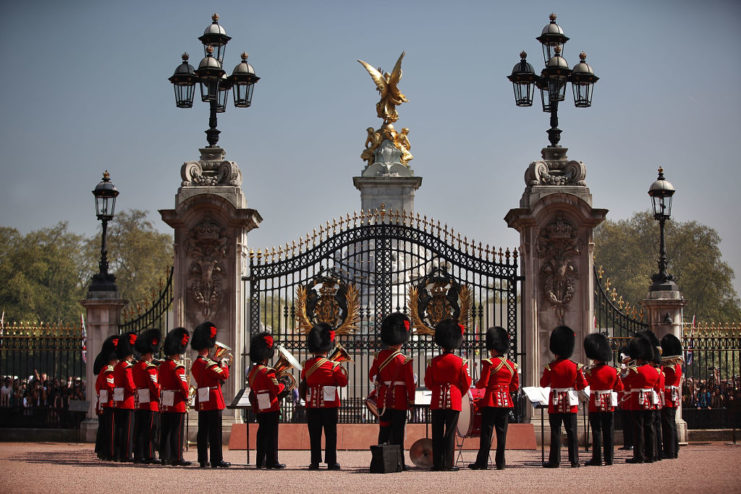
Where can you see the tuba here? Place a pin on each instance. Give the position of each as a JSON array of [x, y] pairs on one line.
[[283, 366], [223, 352], [339, 354]]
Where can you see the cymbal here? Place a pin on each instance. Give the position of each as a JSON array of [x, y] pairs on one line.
[[421, 452]]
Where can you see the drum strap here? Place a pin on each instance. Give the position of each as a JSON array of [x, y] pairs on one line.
[[388, 360]]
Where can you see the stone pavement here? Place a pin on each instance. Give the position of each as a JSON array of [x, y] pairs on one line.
[[73, 467]]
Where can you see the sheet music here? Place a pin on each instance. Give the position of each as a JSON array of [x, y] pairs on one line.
[[422, 397], [536, 395]]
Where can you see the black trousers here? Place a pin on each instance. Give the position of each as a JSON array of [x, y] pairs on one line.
[[171, 439], [493, 418], [267, 439], [444, 423], [569, 423], [144, 429], [669, 432], [318, 419], [603, 434], [124, 434], [627, 419], [643, 435], [106, 434], [209, 436], [391, 428]]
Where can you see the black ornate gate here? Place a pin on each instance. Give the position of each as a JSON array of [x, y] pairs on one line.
[[357, 270]]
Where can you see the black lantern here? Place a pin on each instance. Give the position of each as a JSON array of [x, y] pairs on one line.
[[214, 83], [105, 206], [661, 192], [243, 81], [523, 78], [215, 36], [553, 78]]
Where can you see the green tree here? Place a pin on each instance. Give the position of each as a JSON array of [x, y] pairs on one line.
[[41, 274], [628, 252]]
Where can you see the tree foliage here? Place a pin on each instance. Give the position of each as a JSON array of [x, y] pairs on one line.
[[628, 252]]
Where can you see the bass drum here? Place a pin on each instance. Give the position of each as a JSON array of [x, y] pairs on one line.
[[469, 420]]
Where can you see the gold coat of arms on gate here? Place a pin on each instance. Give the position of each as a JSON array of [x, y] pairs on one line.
[[436, 297], [326, 299]]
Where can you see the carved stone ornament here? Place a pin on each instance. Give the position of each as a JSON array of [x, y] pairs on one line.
[[211, 169], [206, 251], [556, 169], [436, 297], [326, 299], [557, 245]]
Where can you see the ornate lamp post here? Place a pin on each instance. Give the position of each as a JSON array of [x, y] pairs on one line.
[[105, 205], [552, 80], [661, 192], [213, 81]]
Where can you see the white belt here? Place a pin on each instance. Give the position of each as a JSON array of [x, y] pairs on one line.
[[561, 390], [601, 391], [645, 390], [394, 383], [671, 387]]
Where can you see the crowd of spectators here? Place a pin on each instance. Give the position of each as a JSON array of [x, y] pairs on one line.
[[39, 398], [711, 393]]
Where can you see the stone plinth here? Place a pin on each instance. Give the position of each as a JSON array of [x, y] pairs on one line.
[[555, 220], [102, 319], [211, 221]]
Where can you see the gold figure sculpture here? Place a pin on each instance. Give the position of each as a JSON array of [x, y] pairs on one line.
[[387, 86]]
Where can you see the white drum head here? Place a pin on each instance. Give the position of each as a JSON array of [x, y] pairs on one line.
[[464, 418]]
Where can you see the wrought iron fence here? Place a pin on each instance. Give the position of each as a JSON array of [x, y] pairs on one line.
[[52, 349], [712, 358], [613, 316], [157, 316], [382, 255]]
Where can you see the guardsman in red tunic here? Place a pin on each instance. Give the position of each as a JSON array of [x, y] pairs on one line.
[[658, 396], [146, 379], [265, 389], [604, 385], [124, 398], [208, 375], [500, 379], [104, 385], [671, 357], [625, 415], [565, 378], [322, 378], [641, 383], [447, 377], [393, 375], [173, 398]]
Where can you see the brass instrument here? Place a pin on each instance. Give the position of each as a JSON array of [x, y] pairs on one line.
[[339, 354], [672, 360], [284, 364], [223, 352]]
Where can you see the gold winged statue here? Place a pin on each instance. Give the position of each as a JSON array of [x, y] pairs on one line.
[[386, 84]]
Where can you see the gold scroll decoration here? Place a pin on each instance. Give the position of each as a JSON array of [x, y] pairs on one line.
[[436, 297], [326, 299]]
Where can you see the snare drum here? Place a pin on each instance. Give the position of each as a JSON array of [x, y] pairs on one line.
[[469, 420]]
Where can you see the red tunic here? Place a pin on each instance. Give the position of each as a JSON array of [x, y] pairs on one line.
[[173, 380], [104, 383], [147, 386], [672, 385], [447, 377], [395, 380], [564, 377], [659, 388], [499, 377], [321, 373], [209, 375], [639, 386], [124, 385], [603, 381], [264, 389]]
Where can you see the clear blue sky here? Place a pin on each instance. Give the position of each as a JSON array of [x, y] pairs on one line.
[[85, 89]]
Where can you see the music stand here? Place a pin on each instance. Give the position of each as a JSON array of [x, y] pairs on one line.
[[538, 398], [241, 402]]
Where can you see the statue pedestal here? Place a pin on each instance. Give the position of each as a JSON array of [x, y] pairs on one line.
[[555, 220], [211, 221]]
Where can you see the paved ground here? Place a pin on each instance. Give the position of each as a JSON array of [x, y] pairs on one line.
[[73, 467]]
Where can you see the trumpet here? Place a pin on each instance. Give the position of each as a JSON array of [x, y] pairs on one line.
[[283, 367], [339, 354], [223, 352]]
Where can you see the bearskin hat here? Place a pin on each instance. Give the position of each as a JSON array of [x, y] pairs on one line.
[[99, 363], [149, 341], [395, 329], [125, 345], [204, 336], [108, 349], [655, 345], [671, 346], [449, 334], [497, 339], [597, 347], [176, 341], [261, 347], [639, 348], [320, 339], [562, 341]]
